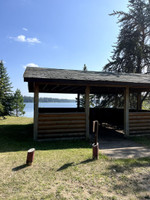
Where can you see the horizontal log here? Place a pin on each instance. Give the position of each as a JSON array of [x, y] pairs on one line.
[[61, 138], [62, 130], [61, 135], [137, 121], [139, 134], [42, 123], [140, 128], [139, 131], [51, 127], [139, 117], [139, 113], [61, 114], [61, 118]]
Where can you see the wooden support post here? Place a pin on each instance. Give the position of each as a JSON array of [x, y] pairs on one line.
[[126, 111], [78, 101], [116, 101], [87, 110], [139, 106], [36, 102]]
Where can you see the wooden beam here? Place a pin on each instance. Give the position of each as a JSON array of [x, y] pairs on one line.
[[139, 106], [126, 111], [78, 100], [87, 110], [52, 89], [36, 102], [65, 88], [45, 86], [116, 101]]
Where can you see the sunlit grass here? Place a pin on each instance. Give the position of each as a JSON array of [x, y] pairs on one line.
[[64, 169]]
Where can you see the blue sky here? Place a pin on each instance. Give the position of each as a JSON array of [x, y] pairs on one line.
[[63, 34]]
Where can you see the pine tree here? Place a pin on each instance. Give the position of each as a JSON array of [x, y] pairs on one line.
[[5, 92], [18, 104], [132, 51], [131, 54]]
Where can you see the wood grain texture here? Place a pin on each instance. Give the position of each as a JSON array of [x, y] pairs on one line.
[[55, 125], [139, 122]]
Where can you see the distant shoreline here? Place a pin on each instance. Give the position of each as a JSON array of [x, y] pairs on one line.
[[51, 102], [28, 99]]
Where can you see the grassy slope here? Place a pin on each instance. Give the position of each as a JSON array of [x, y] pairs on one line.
[[64, 170]]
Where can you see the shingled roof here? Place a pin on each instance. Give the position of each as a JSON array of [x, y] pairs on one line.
[[78, 77], [34, 74]]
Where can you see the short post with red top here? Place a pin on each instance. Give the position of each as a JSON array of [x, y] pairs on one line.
[[30, 156], [96, 144]]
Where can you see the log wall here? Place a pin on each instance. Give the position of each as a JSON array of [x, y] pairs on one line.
[[61, 125], [139, 123]]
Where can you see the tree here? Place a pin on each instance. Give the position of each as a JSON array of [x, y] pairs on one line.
[[18, 104], [131, 54], [132, 51], [1, 109], [5, 92]]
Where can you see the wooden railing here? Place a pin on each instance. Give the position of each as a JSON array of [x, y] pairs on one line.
[[61, 125], [139, 123]]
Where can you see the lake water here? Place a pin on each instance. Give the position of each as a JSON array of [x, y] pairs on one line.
[[30, 106]]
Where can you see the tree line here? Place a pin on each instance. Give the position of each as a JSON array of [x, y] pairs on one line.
[[28, 99], [10, 102]]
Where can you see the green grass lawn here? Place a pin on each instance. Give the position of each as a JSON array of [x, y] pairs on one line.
[[64, 169]]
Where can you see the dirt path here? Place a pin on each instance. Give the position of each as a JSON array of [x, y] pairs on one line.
[[122, 148], [113, 144]]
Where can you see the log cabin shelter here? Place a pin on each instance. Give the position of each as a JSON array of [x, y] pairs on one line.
[[63, 123]]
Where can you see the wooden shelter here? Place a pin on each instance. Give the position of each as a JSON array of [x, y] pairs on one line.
[[74, 122]]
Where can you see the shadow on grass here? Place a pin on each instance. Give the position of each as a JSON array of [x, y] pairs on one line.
[[122, 165], [20, 138], [130, 177], [20, 167], [67, 165]]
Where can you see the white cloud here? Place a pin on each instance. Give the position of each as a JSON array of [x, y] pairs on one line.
[[33, 40], [24, 29], [23, 38], [30, 65]]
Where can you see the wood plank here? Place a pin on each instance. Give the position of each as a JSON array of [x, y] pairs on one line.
[[61, 135], [61, 138], [78, 100], [138, 113], [140, 128], [139, 103], [61, 122], [87, 110], [36, 101], [137, 121], [62, 130], [62, 126], [126, 111], [139, 117], [139, 131], [62, 114], [139, 125], [61, 118]]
